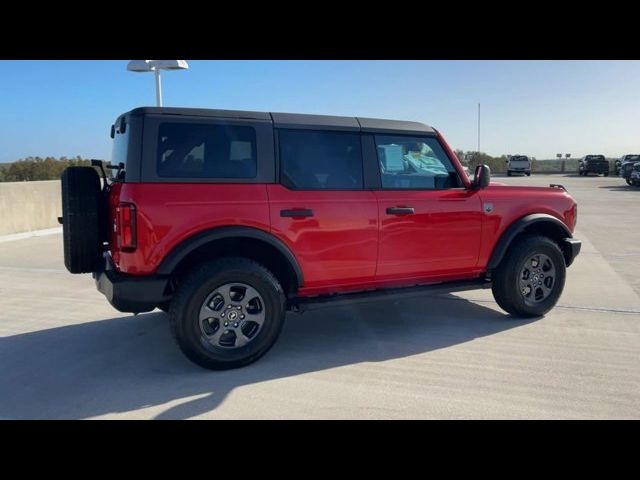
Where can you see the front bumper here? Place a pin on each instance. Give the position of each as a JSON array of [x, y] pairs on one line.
[[571, 249], [131, 293]]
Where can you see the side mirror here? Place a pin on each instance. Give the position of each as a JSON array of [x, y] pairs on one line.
[[482, 176]]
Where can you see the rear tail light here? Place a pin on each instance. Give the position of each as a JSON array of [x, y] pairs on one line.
[[127, 238]]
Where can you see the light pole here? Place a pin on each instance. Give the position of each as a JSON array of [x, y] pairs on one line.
[[144, 66], [478, 128]]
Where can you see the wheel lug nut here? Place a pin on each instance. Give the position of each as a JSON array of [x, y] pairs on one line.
[[228, 307], [235, 325], [241, 317], [222, 314], [226, 324], [239, 307]]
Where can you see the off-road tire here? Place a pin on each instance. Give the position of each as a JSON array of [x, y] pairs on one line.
[[194, 289], [83, 214], [505, 278]]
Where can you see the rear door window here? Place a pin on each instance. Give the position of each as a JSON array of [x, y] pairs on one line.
[[320, 160], [189, 150]]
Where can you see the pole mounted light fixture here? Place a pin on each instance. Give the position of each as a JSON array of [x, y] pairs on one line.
[[144, 66]]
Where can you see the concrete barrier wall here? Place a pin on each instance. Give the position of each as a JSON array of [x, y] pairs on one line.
[[28, 206]]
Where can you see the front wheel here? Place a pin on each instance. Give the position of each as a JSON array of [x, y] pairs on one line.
[[227, 313], [606, 174], [629, 181], [530, 279]]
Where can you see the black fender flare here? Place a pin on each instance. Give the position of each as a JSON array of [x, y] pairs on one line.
[[183, 249], [518, 227]]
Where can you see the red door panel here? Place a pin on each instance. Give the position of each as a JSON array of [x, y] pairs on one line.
[[336, 243], [439, 238]]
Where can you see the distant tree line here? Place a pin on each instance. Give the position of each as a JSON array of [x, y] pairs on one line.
[[473, 159], [38, 168]]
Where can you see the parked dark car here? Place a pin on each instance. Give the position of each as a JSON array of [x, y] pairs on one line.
[[626, 166], [634, 178], [597, 164]]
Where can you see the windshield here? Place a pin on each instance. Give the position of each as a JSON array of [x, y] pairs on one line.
[[119, 153], [631, 158]]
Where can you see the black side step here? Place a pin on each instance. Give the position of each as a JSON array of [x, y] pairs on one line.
[[303, 304]]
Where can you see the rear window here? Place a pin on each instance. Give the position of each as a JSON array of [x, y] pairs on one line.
[[595, 157], [119, 153], [632, 158], [519, 158], [187, 150]]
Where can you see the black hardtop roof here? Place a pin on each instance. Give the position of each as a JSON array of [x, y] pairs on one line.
[[296, 120]]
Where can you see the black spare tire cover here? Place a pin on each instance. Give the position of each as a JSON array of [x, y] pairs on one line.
[[83, 222]]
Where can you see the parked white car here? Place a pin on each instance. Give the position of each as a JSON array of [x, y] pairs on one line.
[[518, 164]]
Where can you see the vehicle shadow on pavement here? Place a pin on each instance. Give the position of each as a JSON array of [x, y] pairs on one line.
[[624, 187], [129, 363]]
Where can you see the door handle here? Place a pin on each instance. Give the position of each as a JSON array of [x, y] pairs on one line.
[[299, 212], [400, 210]]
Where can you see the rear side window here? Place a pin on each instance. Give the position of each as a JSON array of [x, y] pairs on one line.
[[191, 150], [316, 160]]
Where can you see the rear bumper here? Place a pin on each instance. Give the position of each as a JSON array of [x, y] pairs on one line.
[[597, 168], [571, 249], [130, 293]]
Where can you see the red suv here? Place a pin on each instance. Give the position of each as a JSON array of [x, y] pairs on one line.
[[227, 219]]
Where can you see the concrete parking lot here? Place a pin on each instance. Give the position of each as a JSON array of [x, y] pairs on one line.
[[66, 353]]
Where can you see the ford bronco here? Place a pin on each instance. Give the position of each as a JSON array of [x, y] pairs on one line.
[[228, 219]]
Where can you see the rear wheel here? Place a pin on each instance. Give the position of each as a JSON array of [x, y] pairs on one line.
[[606, 174], [629, 181], [530, 279], [227, 313], [508, 174]]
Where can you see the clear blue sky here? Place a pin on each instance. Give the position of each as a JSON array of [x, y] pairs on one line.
[[538, 108]]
